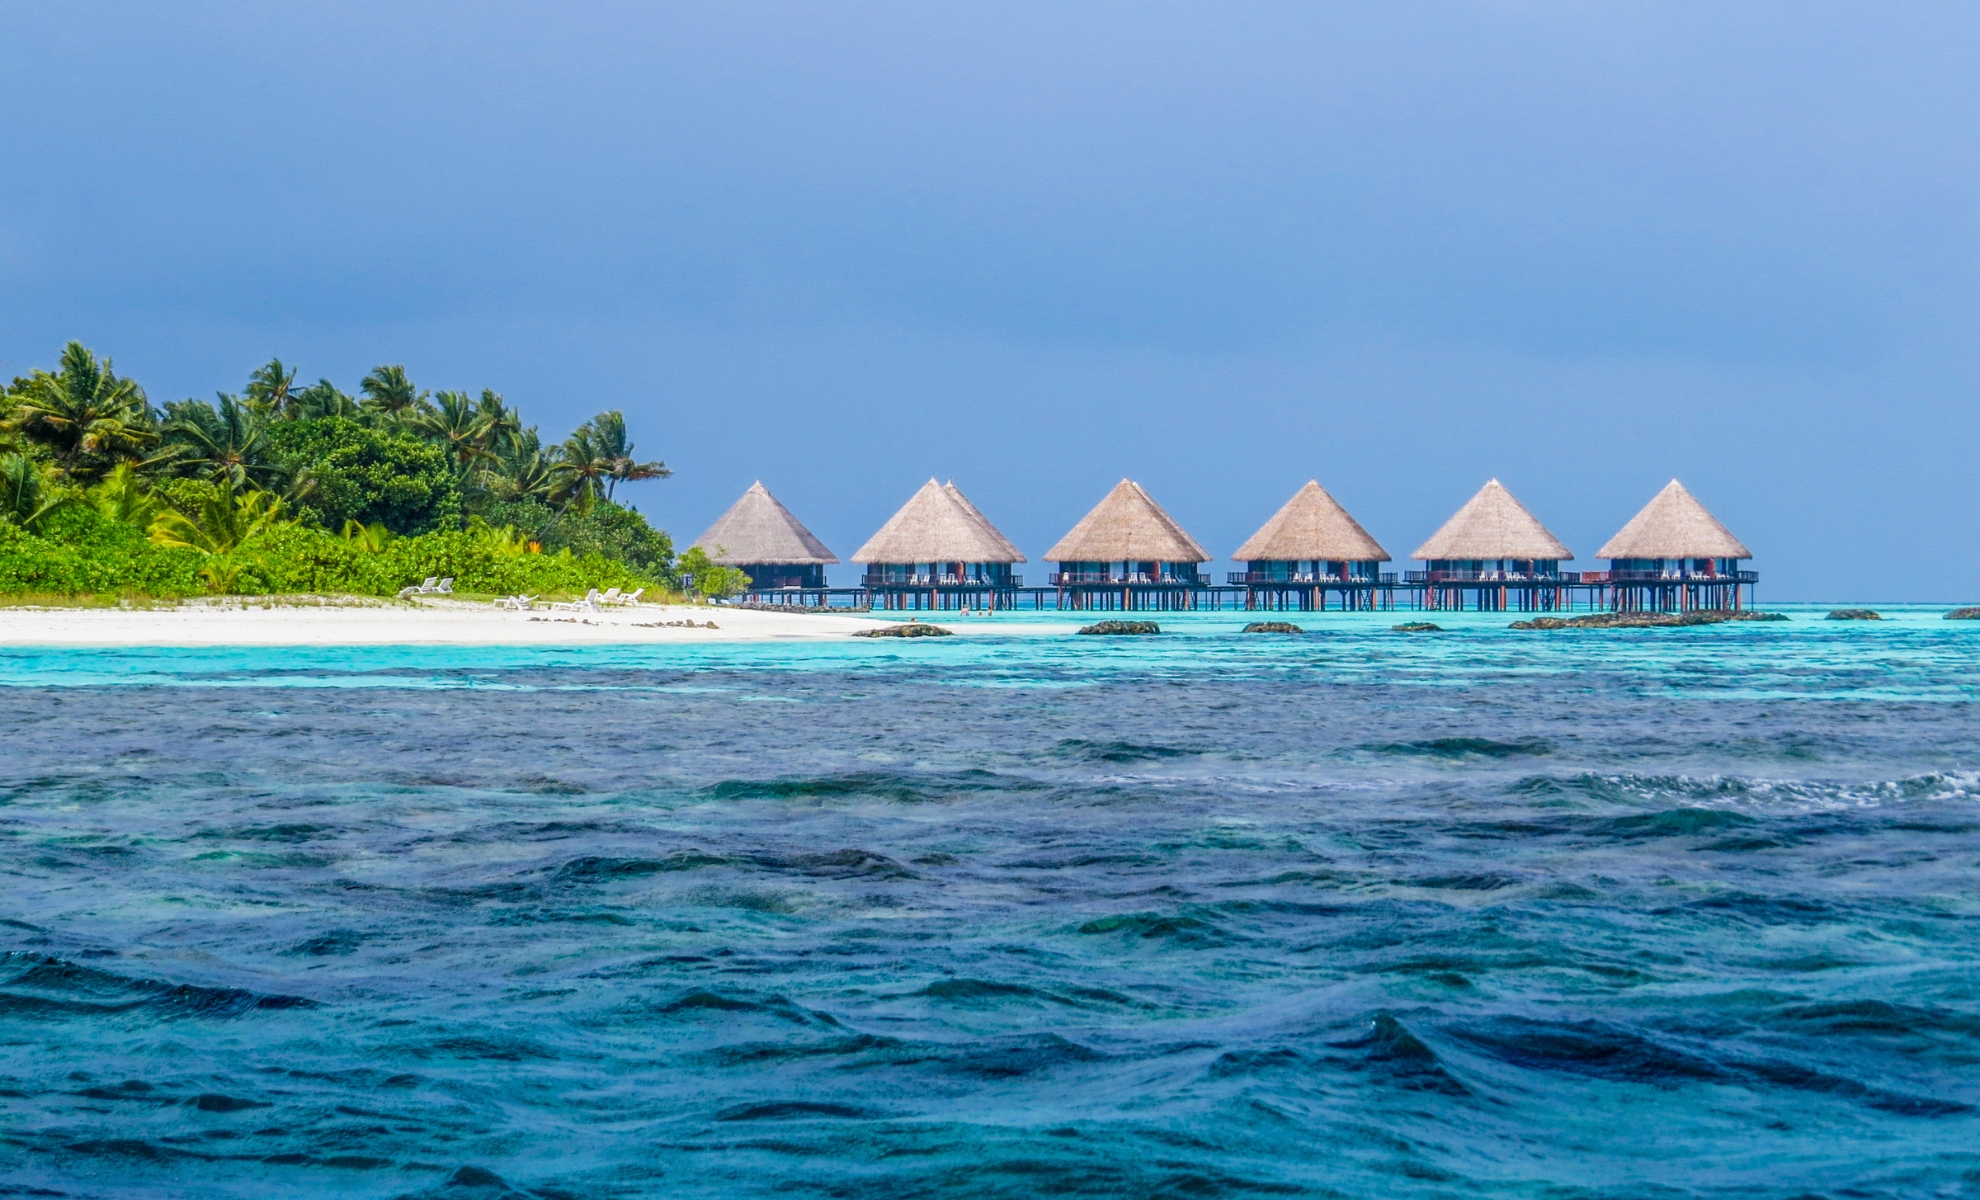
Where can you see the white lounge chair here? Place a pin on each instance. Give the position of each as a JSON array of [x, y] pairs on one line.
[[421, 589], [516, 603], [445, 586], [610, 597], [631, 599], [588, 604]]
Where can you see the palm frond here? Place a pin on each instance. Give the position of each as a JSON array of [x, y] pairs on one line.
[[222, 523], [83, 414], [390, 395]]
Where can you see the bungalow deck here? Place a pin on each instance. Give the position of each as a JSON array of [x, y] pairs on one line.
[[1590, 591]]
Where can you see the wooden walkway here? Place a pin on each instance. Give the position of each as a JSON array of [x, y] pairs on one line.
[[1569, 593]]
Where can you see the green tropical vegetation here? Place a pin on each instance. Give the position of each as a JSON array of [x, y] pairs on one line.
[[701, 576], [283, 488]]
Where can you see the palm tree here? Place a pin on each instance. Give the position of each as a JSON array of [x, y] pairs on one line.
[[122, 496], [324, 399], [598, 456], [371, 538], [222, 523], [581, 468], [504, 542], [271, 390], [504, 424], [454, 421], [84, 414], [390, 395], [302, 486], [522, 470], [229, 442], [26, 499], [608, 432]]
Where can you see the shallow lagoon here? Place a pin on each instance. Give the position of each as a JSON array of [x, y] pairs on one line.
[[1358, 912]]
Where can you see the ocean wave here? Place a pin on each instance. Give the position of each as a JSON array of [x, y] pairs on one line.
[[1755, 793], [596, 868], [1604, 1050], [44, 987], [1391, 1049], [1462, 749], [901, 787], [786, 1110], [1088, 750], [1177, 928], [993, 994]]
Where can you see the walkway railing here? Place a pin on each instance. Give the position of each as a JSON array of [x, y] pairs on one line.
[[1266, 579], [1673, 576], [927, 581], [1494, 577], [1073, 578]]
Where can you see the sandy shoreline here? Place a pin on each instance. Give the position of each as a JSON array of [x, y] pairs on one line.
[[425, 622]]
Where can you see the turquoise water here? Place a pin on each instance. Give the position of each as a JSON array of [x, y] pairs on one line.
[[1586, 913]]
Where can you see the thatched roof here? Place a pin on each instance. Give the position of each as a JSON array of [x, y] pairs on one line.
[[1312, 525], [955, 493], [1127, 526], [1674, 525], [1492, 525], [933, 528], [757, 529]]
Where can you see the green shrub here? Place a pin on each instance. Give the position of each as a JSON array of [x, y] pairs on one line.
[[369, 475], [297, 558], [85, 554], [186, 494], [88, 554], [477, 564], [703, 577], [531, 519], [601, 528]]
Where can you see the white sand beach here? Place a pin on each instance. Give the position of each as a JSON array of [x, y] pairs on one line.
[[428, 621]]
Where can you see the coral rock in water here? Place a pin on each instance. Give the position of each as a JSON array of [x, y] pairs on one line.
[[1645, 620], [1123, 627]]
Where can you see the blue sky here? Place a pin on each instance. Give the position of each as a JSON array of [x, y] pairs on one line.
[[1037, 247]]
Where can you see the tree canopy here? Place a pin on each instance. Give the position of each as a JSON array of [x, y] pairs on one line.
[[82, 415], [309, 470]]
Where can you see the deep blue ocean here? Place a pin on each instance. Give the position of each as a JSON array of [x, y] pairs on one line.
[[1647, 913]]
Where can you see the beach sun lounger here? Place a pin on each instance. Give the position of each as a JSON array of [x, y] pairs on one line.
[[588, 604], [516, 603], [431, 585]]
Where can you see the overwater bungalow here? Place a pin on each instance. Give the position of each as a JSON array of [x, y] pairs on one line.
[[1128, 553], [1674, 556], [955, 493], [758, 535], [1495, 554], [938, 551], [1309, 548]]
